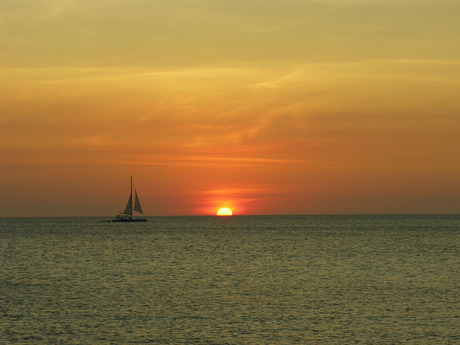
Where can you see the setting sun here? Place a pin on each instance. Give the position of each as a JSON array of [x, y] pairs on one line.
[[224, 211]]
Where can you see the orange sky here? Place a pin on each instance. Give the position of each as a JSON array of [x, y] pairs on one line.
[[266, 107]]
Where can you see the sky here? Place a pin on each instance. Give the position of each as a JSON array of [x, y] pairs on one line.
[[262, 106]]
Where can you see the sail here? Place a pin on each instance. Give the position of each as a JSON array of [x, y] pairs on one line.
[[129, 206], [137, 204]]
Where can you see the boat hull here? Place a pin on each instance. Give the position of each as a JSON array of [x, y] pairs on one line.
[[129, 220]]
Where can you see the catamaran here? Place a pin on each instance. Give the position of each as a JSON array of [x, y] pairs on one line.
[[128, 214]]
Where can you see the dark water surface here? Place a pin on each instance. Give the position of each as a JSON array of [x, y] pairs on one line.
[[233, 280]]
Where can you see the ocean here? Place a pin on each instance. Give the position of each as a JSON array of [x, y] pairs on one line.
[[231, 280]]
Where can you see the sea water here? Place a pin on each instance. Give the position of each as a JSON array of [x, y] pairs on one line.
[[231, 280]]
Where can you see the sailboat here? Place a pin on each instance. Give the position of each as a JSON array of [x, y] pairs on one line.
[[128, 214]]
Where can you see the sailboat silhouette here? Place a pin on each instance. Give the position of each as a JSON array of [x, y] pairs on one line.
[[128, 214]]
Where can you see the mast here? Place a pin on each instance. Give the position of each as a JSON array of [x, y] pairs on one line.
[[132, 203]]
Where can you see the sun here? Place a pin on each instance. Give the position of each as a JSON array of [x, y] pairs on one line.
[[224, 211]]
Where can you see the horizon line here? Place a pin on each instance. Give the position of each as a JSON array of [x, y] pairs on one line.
[[255, 215]]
